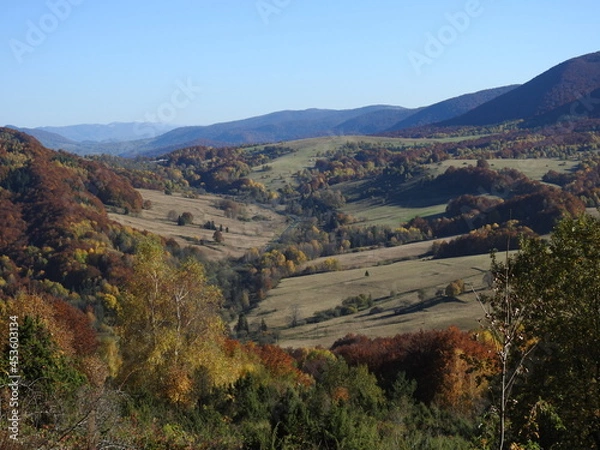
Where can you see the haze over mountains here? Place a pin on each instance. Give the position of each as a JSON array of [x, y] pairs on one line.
[[560, 91], [136, 138]]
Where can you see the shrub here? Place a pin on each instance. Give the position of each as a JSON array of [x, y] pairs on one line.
[[172, 215], [185, 219]]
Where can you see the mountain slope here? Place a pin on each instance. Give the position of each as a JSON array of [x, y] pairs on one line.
[[274, 127], [375, 122], [450, 108], [47, 138], [587, 107], [55, 232], [560, 85]]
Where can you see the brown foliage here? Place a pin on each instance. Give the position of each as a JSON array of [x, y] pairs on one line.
[[483, 240], [54, 225], [449, 366], [279, 363], [85, 341]]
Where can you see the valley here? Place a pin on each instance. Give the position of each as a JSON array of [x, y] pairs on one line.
[[378, 277], [399, 276]]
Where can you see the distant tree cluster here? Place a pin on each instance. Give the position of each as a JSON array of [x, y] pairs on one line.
[[231, 208], [350, 305], [532, 204], [483, 240]]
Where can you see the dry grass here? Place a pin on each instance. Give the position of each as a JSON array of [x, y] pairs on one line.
[[307, 151], [241, 236], [392, 286], [383, 255], [533, 168], [370, 212]]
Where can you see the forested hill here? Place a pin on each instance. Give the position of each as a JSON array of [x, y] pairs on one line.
[[55, 235], [561, 85], [453, 107]]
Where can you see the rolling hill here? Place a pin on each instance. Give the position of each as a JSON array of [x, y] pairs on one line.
[[546, 98], [587, 107], [561, 85], [450, 108], [54, 204], [274, 127]]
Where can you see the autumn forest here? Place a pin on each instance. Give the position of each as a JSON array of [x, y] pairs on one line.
[[116, 336]]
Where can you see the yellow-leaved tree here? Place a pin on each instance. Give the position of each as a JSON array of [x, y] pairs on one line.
[[171, 336]]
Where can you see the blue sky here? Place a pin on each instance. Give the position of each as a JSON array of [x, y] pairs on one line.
[[197, 62]]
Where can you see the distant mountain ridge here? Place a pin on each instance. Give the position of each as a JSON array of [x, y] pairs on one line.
[[563, 84], [570, 89], [49, 139], [112, 132], [450, 108], [56, 141], [274, 127], [292, 125]]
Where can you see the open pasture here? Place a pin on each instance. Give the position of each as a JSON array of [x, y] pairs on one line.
[[243, 235], [409, 286]]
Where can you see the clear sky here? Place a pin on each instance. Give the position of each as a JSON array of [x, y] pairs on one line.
[[197, 62]]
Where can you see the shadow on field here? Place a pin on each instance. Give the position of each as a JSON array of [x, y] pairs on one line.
[[420, 306]]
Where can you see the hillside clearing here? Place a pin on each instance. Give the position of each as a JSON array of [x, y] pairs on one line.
[[307, 151], [243, 235], [378, 256], [391, 286], [378, 212], [533, 168]]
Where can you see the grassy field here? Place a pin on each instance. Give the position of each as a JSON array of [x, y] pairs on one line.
[[533, 168], [308, 150], [379, 212], [242, 235], [391, 286], [376, 212], [377, 256]]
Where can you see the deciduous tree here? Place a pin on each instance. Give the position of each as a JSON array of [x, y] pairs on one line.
[[171, 334], [547, 319]]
